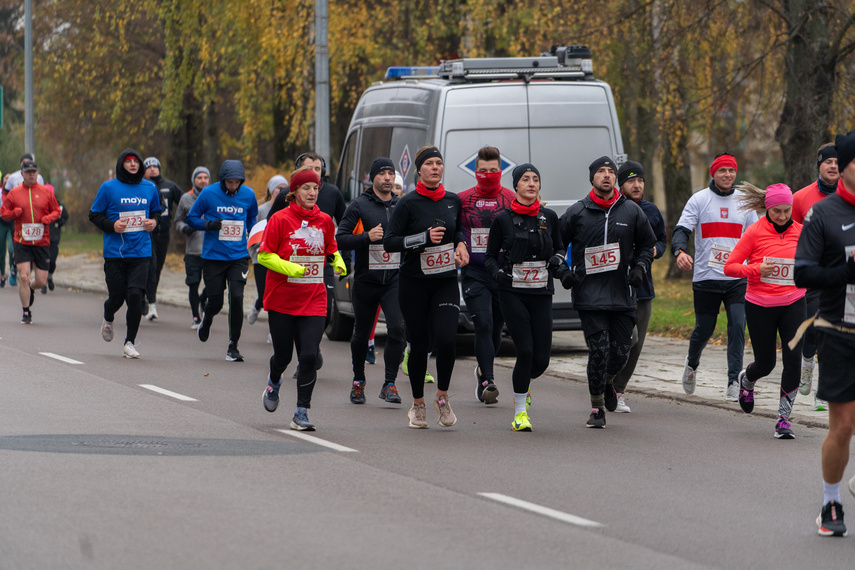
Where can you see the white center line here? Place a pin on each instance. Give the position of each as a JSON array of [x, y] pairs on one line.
[[546, 511], [317, 440], [175, 395], [62, 358]]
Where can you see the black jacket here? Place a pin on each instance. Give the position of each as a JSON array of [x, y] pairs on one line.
[[657, 224], [56, 225], [369, 210], [585, 224], [170, 195]]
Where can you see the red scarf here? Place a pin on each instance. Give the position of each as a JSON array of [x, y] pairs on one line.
[[436, 194], [848, 197], [489, 184], [524, 210], [302, 212], [604, 204]]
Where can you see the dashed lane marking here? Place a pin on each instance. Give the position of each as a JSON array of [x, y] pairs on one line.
[[61, 358], [169, 393], [317, 440], [541, 510]]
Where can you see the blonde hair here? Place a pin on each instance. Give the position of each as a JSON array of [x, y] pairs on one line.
[[750, 197]]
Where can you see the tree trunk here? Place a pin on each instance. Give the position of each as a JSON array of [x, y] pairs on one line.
[[678, 190]]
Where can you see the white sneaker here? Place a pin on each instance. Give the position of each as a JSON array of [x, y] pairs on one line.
[[130, 351], [689, 378], [732, 394], [621, 405], [819, 405], [807, 376], [107, 331], [152, 312], [252, 316], [269, 339]]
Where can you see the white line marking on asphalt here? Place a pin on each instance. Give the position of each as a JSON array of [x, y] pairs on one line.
[[546, 511], [175, 395], [317, 440], [62, 358]]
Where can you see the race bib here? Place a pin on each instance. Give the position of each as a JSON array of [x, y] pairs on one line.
[[718, 256], [314, 265], [437, 259], [231, 230], [135, 219], [32, 232], [478, 240], [782, 271], [379, 259], [602, 258], [849, 304], [530, 275]]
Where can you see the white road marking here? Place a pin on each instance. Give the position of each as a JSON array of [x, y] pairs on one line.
[[169, 393], [62, 358], [545, 511], [317, 440]]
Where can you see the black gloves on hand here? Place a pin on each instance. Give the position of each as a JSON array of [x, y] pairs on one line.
[[214, 225], [636, 275], [503, 278], [554, 262], [187, 230], [569, 279]]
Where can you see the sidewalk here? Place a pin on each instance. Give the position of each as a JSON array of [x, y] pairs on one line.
[[658, 374]]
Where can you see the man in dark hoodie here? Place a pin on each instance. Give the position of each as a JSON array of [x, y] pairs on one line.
[[126, 209], [229, 209]]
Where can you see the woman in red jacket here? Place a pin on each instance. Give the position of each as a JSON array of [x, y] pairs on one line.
[[297, 241], [773, 303]]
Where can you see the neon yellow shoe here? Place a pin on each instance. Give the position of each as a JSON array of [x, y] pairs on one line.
[[428, 378], [521, 422], [404, 368], [528, 400]]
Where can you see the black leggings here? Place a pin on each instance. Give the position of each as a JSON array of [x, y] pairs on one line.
[[809, 342], [430, 304], [488, 320], [215, 304], [196, 299], [366, 298], [609, 335], [764, 326], [530, 324], [284, 329], [134, 297], [260, 273]]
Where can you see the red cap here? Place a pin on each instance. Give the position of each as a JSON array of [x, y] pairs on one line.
[[721, 161], [301, 177]]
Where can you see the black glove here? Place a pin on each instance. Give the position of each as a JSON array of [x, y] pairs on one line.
[[636, 275], [187, 230], [554, 262], [569, 279], [503, 278], [214, 225]]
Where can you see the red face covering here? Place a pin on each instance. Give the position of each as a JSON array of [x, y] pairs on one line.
[[524, 210], [489, 183], [436, 194]]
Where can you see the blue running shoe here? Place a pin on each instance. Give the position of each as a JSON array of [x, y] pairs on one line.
[[271, 395], [300, 421]]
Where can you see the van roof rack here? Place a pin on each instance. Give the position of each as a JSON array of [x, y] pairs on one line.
[[562, 62]]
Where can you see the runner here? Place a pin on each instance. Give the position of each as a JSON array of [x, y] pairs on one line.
[[773, 304], [375, 278], [34, 208], [630, 178], [275, 185], [200, 178], [824, 185], [714, 216], [427, 227], [825, 259], [481, 205], [611, 250], [526, 236], [229, 209], [126, 209], [294, 247], [55, 238]]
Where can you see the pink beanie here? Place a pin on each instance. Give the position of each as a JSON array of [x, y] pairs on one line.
[[778, 194]]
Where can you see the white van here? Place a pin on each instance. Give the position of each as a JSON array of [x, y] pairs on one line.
[[547, 110]]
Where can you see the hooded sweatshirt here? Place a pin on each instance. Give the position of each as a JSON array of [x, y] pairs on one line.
[[238, 212]]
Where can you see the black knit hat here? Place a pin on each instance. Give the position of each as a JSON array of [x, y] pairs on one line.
[[379, 165], [824, 154], [629, 169], [522, 169], [845, 147], [599, 163]]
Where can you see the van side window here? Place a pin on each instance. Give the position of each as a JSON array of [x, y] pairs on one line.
[[347, 179]]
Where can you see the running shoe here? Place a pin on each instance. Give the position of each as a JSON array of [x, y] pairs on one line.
[[50, 284], [269, 338], [357, 393], [404, 367], [129, 351], [252, 315], [27, 318], [152, 312], [622, 408], [521, 422], [232, 354], [2, 281], [690, 378], [196, 322], [732, 393], [428, 378], [107, 330], [43, 290], [485, 390], [597, 419], [418, 416], [830, 520], [13, 278], [271, 395], [300, 421], [610, 397], [806, 381], [204, 330], [782, 429], [370, 357], [446, 415], [746, 396], [819, 405], [389, 392]]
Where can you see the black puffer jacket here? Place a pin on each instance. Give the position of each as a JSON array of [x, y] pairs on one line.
[[367, 210]]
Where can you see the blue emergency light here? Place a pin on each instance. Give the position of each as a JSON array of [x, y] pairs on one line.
[[412, 72]]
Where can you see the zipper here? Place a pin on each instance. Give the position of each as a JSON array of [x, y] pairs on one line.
[[32, 216]]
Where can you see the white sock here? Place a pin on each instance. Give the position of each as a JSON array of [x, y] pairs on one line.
[[830, 492], [808, 362], [370, 343], [519, 402]]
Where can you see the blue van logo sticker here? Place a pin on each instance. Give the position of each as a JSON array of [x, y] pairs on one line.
[[468, 165], [404, 163]]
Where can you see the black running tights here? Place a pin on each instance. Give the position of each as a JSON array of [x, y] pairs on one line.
[[764, 326], [529, 320], [284, 329]]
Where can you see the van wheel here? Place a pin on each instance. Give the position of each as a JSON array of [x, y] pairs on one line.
[[340, 326]]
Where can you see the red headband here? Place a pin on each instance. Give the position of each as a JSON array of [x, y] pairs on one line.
[[722, 161], [301, 177]]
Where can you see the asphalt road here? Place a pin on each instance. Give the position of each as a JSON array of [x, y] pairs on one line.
[[99, 472]]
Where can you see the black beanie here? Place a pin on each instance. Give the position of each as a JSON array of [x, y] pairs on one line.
[[824, 154], [379, 165], [845, 147], [522, 169], [599, 163], [629, 169]]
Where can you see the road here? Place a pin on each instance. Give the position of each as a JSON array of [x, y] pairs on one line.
[[99, 472]]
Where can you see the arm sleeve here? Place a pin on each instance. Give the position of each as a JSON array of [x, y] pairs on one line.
[[275, 263], [53, 211], [644, 240], [63, 218], [661, 236], [252, 218], [680, 239], [734, 266], [808, 271], [557, 248], [347, 240], [685, 226], [393, 238], [194, 216], [6, 210], [181, 215], [459, 232], [98, 214]]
